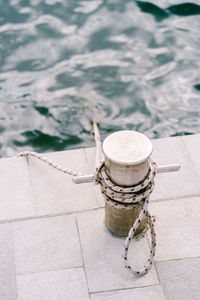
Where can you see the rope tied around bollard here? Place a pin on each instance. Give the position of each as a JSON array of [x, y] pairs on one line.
[[132, 195], [127, 195]]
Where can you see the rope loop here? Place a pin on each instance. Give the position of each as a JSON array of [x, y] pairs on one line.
[[131, 233], [127, 195]]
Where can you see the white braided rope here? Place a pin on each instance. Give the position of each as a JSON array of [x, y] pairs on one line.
[[127, 195], [50, 163], [131, 233], [135, 194]]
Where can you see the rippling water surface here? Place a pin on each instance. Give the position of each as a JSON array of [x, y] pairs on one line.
[[130, 64]]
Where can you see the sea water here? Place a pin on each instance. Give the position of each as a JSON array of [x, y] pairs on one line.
[[130, 65]]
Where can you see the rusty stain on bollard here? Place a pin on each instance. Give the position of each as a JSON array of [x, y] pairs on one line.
[[127, 156]]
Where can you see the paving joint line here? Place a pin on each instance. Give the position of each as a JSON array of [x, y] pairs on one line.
[[49, 216], [14, 259], [176, 259], [125, 289], [31, 182], [175, 198], [81, 249], [190, 158], [95, 192], [50, 270]]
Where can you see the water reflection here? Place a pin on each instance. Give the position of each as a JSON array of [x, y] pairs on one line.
[[130, 64]]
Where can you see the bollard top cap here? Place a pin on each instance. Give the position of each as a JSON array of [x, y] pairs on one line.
[[127, 147]]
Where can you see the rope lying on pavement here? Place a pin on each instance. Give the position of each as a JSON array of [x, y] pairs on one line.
[[50, 162]]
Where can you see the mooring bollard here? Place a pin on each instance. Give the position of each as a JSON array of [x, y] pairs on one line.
[[127, 163], [126, 178]]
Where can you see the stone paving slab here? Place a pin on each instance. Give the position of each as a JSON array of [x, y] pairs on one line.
[[46, 244], [54, 192], [102, 254], [7, 263], [174, 184], [55, 285], [146, 293], [180, 278], [177, 227], [16, 199]]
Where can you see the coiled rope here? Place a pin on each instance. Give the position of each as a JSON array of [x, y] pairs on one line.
[[135, 194]]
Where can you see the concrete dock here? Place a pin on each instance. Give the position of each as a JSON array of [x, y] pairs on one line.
[[54, 244]]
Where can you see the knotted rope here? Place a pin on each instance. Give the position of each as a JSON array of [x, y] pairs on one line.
[[128, 195], [123, 195]]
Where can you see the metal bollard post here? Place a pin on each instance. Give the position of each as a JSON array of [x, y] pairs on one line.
[[127, 157], [127, 162]]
